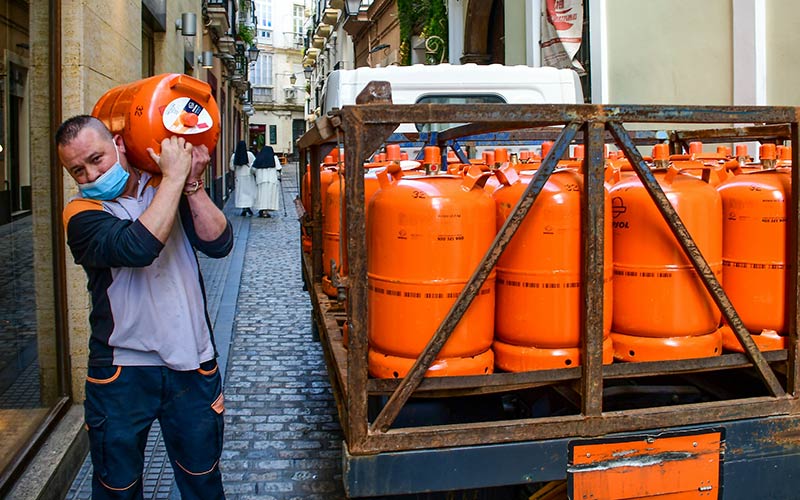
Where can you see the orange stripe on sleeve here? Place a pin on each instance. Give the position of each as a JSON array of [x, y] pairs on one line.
[[79, 205]]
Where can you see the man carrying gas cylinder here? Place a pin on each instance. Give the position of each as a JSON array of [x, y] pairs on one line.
[[151, 351]]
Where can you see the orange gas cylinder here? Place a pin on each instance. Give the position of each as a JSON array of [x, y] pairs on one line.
[[538, 306], [493, 182], [393, 152], [331, 224], [695, 149], [785, 157], [766, 340], [147, 111], [755, 205], [768, 154], [326, 175], [661, 308], [500, 157], [327, 171], [546, 147], [432, 159], [487, 158], [426, 235]]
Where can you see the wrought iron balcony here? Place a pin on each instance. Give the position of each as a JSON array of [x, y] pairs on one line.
[[263, 95], [217, 17]]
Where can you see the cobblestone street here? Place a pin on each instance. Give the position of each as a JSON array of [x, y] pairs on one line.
[[282, 439]]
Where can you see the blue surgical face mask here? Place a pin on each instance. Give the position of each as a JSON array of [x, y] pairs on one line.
[[109, 185]]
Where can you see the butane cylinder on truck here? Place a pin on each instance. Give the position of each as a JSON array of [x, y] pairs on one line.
[[327, 173], [147, 111], [425, 236], [754, 252], [538, 304], [328, 170], [332, 218], [661, 308]]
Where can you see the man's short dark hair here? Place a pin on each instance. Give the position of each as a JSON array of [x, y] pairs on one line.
[[70, 129]]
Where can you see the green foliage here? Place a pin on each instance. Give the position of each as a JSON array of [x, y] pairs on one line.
[[427, 18], [247, 34]]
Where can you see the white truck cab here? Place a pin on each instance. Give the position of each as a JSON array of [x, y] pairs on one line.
[[454, 84], [446, 83]]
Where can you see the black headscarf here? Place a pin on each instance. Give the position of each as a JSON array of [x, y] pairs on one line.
[[265, 158], [240, 154]]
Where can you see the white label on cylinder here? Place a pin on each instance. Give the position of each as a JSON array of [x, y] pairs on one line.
[[186, 116]]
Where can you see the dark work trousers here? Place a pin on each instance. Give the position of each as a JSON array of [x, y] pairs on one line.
[[121, 404]]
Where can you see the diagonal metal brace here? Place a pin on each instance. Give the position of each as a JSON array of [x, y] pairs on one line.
[[411, 381], [698, 261]]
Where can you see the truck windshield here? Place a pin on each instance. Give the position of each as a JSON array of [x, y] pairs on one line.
[[453, 99]]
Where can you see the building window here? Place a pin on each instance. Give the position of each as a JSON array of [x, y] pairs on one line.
[[148, 46], [261, 76], [273, 134], [298, 18], [34, 380], [264, 14], [263, 95]]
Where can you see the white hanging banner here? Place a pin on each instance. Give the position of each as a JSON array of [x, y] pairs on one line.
[[562, 30]]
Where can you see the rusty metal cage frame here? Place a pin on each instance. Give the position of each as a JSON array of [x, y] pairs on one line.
[[363, 128]]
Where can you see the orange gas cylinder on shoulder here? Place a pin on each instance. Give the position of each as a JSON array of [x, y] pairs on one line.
[[661, 308], [755, 206], [425, 237], [147, 111], [538, 303]]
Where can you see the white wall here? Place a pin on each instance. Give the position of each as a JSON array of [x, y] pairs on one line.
[[669, 52]]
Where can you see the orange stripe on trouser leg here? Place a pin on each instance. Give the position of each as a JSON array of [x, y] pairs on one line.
[[208, 372], [117, 489], [219, 404], [184, 469], [106, 380]]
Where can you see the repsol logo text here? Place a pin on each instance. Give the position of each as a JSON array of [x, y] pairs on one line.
[[621, 224]]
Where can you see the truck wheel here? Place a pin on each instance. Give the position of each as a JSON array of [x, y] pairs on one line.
[[314, 329]]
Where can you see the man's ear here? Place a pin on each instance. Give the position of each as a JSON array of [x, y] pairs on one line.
[[120, 143]]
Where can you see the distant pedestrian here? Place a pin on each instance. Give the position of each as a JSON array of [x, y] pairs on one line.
[[241, 163], [267, 167]]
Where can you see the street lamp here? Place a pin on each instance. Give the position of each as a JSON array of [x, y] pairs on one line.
[[292, 79], [252, 53], [206, 59], [352, 7]]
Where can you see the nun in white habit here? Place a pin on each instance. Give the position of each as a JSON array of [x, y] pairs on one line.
[[241, 160], [267, 167]]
